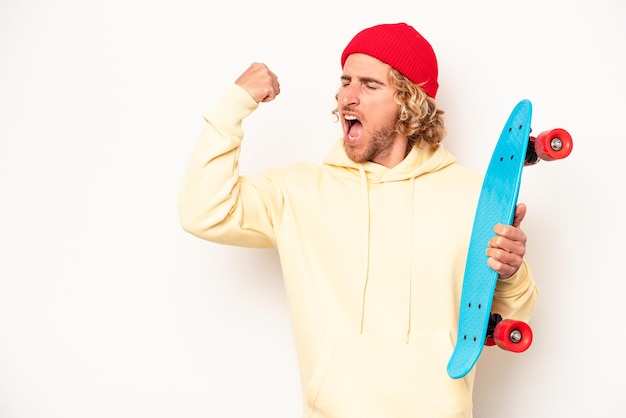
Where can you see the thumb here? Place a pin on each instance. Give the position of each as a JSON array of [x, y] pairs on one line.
[[520, 213]]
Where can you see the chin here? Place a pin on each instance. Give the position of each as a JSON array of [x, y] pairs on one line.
[[354, 155]]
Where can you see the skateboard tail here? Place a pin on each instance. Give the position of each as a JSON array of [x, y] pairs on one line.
[[463, 364], [496, 204]]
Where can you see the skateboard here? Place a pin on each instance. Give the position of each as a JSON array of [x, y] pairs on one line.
[[478, 326]]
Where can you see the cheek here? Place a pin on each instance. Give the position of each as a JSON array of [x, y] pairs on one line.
[[387, 115], [385, 107]]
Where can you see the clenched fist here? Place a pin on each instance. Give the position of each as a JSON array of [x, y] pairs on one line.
[[259, 82]]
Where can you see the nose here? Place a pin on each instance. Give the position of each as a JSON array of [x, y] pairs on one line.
[[349, 95]]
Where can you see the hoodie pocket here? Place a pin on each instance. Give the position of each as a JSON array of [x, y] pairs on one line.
[[365, 376]]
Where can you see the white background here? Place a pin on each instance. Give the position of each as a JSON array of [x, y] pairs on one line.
[[109, 309]]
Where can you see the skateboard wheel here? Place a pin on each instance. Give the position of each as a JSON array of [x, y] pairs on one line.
[[512, 335], [553, 145]]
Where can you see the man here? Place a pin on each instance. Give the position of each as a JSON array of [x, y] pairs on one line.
[[372, 242]]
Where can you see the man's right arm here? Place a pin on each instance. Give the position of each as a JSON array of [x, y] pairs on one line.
[[213, 171], [214, 198]]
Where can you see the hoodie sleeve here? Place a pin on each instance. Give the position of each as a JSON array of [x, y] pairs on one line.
[[215, 203], [515, 296]]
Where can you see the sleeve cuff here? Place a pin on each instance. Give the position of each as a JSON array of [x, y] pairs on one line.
[[232, 108]]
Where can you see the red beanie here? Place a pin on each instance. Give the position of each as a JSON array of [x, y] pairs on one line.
[[402, 47]]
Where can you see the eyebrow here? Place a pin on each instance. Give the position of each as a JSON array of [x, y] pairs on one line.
[[365, 80]]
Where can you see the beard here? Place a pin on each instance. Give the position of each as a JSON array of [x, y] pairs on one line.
[[380, 144]]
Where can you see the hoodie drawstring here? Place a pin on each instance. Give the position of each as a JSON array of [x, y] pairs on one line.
[[367, 240], [411, 258]]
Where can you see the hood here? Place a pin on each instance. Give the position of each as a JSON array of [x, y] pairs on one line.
[[421, 160]]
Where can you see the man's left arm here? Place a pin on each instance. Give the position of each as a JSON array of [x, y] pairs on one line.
[[516, 291]]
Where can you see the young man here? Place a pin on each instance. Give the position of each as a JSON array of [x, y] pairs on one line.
[[372, 242]]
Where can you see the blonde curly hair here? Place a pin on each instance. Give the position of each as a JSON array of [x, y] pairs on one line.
[[419, 118]]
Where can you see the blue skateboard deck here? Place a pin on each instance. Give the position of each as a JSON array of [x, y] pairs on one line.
[[496, 204]]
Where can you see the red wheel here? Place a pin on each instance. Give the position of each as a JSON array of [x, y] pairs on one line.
[[513, 335], [553, 145]]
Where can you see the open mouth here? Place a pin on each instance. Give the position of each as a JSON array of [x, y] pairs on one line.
[[354, 127]]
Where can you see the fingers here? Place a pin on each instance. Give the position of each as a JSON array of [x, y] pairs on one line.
[[260, 83], [271, 94], [507, 248], [503, 262]]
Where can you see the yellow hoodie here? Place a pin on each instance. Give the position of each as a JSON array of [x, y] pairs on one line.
[[372, 258]]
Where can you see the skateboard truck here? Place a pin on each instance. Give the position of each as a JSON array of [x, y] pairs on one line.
[[494, 319]]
